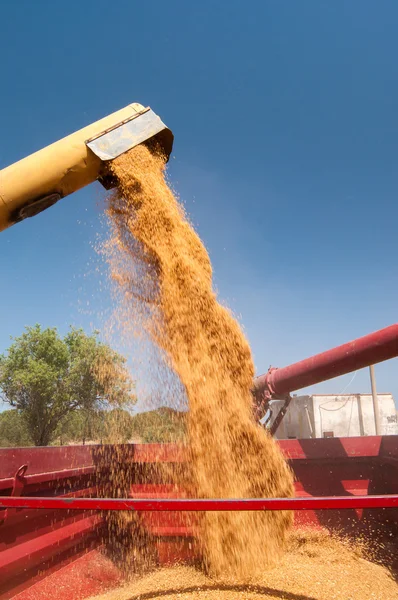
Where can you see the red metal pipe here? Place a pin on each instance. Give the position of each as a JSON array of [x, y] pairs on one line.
[[156, 504], [362, 352]]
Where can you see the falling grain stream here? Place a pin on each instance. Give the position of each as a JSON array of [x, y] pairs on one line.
[[165, 276]]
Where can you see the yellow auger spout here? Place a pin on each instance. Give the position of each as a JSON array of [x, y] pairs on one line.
[[38, 181]]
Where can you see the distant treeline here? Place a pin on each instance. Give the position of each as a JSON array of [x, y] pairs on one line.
[[113, 426]]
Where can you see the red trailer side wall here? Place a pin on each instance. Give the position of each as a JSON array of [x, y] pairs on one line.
[[35, 543]]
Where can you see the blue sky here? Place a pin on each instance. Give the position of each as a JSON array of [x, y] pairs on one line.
[[286, 145]]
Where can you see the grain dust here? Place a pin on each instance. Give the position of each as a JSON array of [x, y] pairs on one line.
[[163, 272]]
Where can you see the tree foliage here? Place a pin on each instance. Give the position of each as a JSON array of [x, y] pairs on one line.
[[80, 426], [95, 426], [48, 378], [13, 430], [83, 426], [120, 426], [161, 425]]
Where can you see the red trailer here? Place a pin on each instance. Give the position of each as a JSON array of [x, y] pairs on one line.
[[54, 502]]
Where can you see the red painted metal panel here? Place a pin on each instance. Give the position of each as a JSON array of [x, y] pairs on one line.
[[46, 477], [79, 576], [42, 460], [190, 505], [46, 464], [64, 462], [170, 523], [41, 548], [35, 540], [41, 523], [156, 490], [148, 453], [340, 467], [389, 446], [334, 448], [172, 552]]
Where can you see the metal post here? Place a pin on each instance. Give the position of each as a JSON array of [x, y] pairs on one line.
[[375, 400]]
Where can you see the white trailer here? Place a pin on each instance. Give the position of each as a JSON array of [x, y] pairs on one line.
[[331, 415]]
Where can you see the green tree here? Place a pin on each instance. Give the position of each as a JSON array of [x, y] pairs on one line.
[[102, 426], [47, 378], [118, 426], [161, 425], [13, 430], [80, 426]]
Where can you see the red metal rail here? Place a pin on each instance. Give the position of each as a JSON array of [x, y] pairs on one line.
[[368, 350], [156, 504]]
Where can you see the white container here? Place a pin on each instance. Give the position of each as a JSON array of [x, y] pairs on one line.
[[330, 415]]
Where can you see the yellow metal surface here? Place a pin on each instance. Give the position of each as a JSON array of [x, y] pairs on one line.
[[61, 168]]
